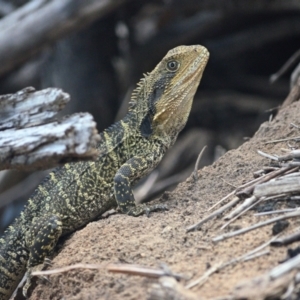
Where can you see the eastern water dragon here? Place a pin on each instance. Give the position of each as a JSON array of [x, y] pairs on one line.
[[77, 193]]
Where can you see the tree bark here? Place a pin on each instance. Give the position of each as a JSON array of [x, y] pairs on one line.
[[30, 140]]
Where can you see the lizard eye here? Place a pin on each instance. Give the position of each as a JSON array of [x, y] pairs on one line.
[[173, 65]]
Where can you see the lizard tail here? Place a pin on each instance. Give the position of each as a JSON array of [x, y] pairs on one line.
[[13, 260]]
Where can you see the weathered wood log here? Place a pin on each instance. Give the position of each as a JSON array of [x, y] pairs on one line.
[[28, 107], [26, 142], [281, 186]]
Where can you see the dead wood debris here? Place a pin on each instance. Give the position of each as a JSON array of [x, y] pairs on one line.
[[143, 271], [195, 172], [272, 184], [31, 139], [115, 268], [289, 239], [279, 283], [219, 266]]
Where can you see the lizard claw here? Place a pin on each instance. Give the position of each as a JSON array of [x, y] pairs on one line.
[[44, 279], [145, 209], [47, 262]]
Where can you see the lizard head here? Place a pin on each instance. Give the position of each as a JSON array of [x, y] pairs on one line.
[[167, 92]]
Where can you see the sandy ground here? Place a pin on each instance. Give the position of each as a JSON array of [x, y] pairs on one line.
[[162, 237]]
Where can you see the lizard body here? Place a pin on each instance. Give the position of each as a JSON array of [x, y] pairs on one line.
[[77, 193]]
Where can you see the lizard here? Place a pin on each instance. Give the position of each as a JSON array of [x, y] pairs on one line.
[[77, 193]]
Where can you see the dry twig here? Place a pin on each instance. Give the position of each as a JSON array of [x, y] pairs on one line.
[[115, 268], [195, 172], [291, 238], [296, 138], [258, 225], [241, 213], [287, 65], [70, 268], [272, 157], [222, 200], [286, 267], [230, 204], [141, 271], [235, 191], [246, 204], [280, 211], [249, 255], [249, 190]]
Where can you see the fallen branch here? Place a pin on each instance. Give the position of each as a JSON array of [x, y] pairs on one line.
[[287, 240], [246, 204], [291, 155], [272, 157], [26, 142], [279, 186], [230, 204], [249, 190], [29, 107], [235, 191], [45, 146], [232, 219], [286, 267]]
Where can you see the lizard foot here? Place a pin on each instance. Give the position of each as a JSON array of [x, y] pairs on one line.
[[47, 262], [144, 209], [27, 284], [40, 267]]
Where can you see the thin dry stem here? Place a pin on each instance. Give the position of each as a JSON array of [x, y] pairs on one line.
[[195, 173], [230, 204], [272, 157], [283, 140], [258, 225], [219, 266], [69, 268]]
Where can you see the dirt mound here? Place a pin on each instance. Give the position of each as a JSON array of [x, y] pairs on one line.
[[162, 238]]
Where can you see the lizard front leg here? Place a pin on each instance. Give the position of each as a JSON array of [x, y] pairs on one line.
[[41, 238], [134, 169]]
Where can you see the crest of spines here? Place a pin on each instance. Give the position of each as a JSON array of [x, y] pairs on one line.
[[136, 91]]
